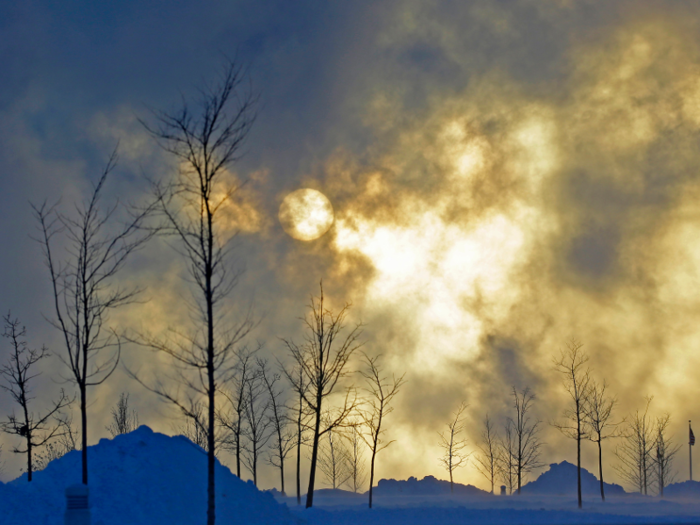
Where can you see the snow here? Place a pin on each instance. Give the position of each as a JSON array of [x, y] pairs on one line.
[[425, 486], [560, 479], [550, 499], [139, 478], [149, 478]]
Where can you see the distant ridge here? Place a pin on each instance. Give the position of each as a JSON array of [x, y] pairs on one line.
[[560, 479], [429, 485]]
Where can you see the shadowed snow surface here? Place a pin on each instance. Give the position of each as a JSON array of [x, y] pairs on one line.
[[139, 478], [561, 480], [427, 485]]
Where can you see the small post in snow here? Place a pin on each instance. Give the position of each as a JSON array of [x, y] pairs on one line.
[[691, 442], [77, 505]]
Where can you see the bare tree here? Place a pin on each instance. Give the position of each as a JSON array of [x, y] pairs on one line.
[[571, 364], [257, 417], [194, 427], [232, 417], [598, 418], [65, 442], [487, 458], [634, 452], [507, 452], [454, 446], [206, 141], [302, 415], [358, 471], [666, 451], [380, 393], [526, 454], [37, 430], [123, 420], [321, 363], [283, 437], [333, 459], [84, 285]]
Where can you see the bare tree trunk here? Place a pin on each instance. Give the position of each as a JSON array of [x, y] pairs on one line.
[[299, 431], [322, 361], [578, 463], [83, 437], [314, 457], [600, 470], [211, 457], [371, 475]]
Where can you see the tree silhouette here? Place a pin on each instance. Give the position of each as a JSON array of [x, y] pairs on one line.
[[232, 417], [454, 446], [333, 458], [487, 459], [358, 471], [321, 363], [598, 414], [36, 430], [380, 393], [206, 141], [571, 364], [283, 437], [123, 420], [257, 417], [525, 456], [635, 450], [85, 286], [665, 452]]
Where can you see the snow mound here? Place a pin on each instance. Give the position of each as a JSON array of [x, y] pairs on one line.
[[561, 479], [139, 478], [336, 493], [428, 486], [686, 489]]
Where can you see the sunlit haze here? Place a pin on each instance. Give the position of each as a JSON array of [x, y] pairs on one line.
[[479, 181]]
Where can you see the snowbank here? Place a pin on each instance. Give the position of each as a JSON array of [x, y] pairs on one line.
[[137, 479], [561, 479], [429, 485], [686, 489]]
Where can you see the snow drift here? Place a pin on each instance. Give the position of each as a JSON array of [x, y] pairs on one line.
[[561, 479], [429, 485], [139, 478]]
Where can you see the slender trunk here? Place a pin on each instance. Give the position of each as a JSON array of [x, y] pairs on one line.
[[211, 459], [578, 470], [29, 455], [29, 431], [83, 421], [238, 448], [314, 457], [299, 446], [578, 454], [452, 438], [371, 473], [282, 474], [600, 468], [374, 452], [520, 454], [299, 468], [255, 464]]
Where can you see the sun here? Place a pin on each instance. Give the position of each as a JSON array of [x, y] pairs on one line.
[[306, 214]]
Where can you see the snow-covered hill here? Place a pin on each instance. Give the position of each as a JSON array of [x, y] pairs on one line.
[[561, 480], [429, 485], [137, 479]]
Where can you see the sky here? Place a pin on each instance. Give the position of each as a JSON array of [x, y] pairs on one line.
[[503, 176]]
